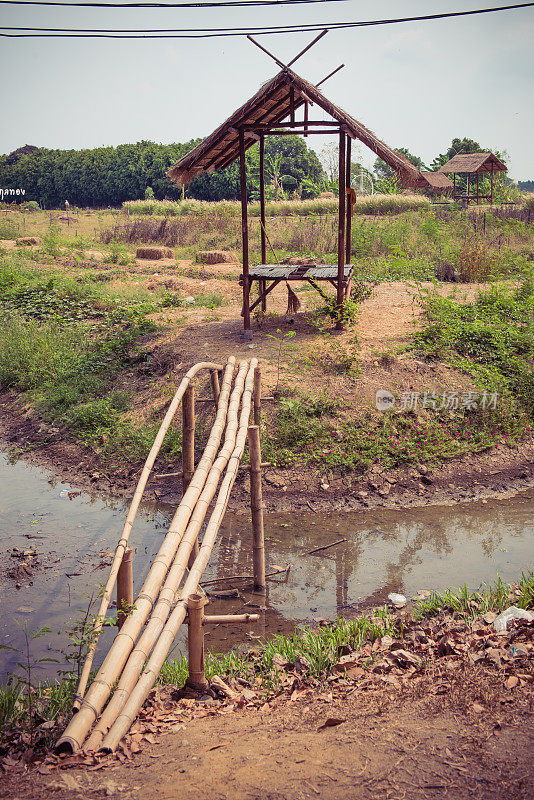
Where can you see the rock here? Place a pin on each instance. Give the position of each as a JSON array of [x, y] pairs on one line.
[[398, 600], [489, 617], [217, 257], [421, 469]]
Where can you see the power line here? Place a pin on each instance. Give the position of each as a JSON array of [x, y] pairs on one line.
[[208, 4], [205, 33]]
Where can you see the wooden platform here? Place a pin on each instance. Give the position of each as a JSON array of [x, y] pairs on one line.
[[270, 276], [292, 272]]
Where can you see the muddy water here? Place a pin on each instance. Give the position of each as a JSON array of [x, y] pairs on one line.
[[384, 551]]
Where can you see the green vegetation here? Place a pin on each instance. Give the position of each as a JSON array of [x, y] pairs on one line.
[[491, 338], [365, 204], [105, 176], [66, 346], [298, 434]]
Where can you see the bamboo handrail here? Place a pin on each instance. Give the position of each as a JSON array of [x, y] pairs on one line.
[[166, 598], [149, 675], [92, 704], [134, 505]]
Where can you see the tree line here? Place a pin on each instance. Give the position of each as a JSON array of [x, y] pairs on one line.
[[107, 176]]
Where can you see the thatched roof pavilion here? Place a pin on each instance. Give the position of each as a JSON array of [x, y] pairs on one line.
[[473, 164], [272, 112]]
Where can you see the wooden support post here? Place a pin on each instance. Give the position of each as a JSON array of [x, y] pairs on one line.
[[215, 387], [125, 596], [341, 232], [292, 105], [306, 112], [349, 209], [195, 642], [478, 196], [247, 335], [263, 235], [188, 448], [491, 195], [257, 396], [256, 503]]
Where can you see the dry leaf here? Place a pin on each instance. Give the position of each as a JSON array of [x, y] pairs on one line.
[[512, 682], [331, 722]]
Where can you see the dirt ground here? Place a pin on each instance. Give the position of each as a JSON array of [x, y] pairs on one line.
[[415, 746]]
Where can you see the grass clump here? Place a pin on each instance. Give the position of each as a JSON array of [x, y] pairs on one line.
[[492, 338], [496, 597]]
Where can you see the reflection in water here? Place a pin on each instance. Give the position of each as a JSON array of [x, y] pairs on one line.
[[386, 550]]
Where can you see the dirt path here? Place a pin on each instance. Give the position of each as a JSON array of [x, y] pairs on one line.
[[387, 746]]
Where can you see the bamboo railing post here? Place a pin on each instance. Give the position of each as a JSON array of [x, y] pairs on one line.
[[257, 397], [195, 641], [256, 503], [125, 587], [215, 388]]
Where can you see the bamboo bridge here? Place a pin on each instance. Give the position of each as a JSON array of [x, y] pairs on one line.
[[146, 634]]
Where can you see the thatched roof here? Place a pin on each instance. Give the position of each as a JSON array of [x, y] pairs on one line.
[[270, 106], [437, 181], [473, 163]]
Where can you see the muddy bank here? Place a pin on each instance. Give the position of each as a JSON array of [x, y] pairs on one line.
[[499, 472]]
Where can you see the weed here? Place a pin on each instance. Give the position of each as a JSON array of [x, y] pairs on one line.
[[282, 341]]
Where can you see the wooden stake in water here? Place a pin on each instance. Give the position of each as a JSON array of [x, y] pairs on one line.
[[256, 503]]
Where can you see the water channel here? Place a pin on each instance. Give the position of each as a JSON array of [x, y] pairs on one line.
[[386, 550]]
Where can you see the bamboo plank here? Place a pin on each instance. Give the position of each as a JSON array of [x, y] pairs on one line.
[[130, 518], [166, 639]]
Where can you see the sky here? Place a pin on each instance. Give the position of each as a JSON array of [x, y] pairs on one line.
[[416, 85]]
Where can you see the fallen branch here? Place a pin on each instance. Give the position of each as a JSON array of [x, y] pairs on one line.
[[278, 571], [324, 547]]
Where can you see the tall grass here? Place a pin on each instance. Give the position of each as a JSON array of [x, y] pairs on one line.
[[366, 204]]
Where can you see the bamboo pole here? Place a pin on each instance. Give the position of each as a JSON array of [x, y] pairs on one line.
[[113, 663], [195, 643], [257, 396], [125, 587], [132, 512], [188, 437], [188, 446], [256, 503], [215, 388], [155, 663], [166, 598], [224, 619]]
